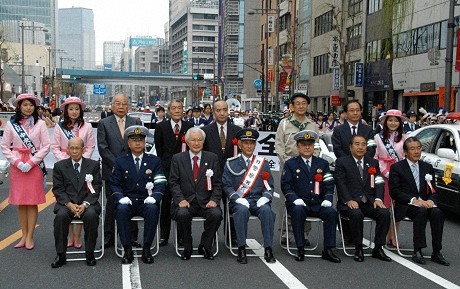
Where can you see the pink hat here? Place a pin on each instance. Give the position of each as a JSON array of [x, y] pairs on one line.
[[73, 99], [395, 113], [26, 96]]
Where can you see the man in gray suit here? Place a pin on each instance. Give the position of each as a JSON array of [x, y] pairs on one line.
[[111, 144], [76, 198], [196, 189]]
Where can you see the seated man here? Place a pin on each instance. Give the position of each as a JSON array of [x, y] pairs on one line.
[[248, 183], [196, 189], [74, 201], [138, 184], [308, 187], [360, 194], [413, 187]]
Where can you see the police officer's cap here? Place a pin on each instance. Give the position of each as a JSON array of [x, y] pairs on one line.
[[196, 108], [300, 94], [306, 135], [411, 113], [247, 134], [137, 132]]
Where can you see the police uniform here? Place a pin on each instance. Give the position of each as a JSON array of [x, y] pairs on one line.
[[254, 201], [130, 193], [304, 200]]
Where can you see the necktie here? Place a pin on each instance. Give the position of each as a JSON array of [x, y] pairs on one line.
[[196, 168], [121, 126], [176, 130], [196, 122], [77, 172], [308, 165], [413, 127], [222, 137], [137, 164], [415, 173], [248, 162], [360, 168], [354, 129]]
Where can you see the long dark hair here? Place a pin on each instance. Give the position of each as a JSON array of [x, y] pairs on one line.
[[18, 115], [68, 122], [386, 131]]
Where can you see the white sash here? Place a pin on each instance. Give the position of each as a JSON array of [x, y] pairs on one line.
[[251, 176]]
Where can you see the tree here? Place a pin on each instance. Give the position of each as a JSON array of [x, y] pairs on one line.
[[4, 58]]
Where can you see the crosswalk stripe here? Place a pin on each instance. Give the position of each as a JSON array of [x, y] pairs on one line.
[[131, 276]]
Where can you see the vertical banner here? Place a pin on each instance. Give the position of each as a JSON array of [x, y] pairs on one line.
[[457, 54], [271, 24], [359, 74], [185, 58], [334, 50], [270, 56], [335, 79]]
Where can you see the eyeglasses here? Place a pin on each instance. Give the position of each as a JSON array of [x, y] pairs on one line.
[[354, 110], [175, 108], [120, 104], [418, 148]]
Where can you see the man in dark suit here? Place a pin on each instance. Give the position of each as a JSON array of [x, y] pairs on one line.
[[360, 194], [138, 183], [308, 186], [111, 144], [412, 124], [168, 141], [196, 118], [76, 200], [196, 188], [413, 187]]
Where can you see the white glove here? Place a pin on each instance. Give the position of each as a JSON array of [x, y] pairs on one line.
[[125, 201], [150, 200], [242, 201], [26, 167], [326, 204], [20, 166], [262, 201], [299, 202]]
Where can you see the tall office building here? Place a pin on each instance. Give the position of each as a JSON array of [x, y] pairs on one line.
[[112, 51], [77, 37]]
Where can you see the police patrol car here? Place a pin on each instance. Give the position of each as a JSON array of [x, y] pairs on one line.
[[441, 148]]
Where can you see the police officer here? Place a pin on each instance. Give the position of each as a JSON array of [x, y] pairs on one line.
[[248, 183], [308, 187], [138, 184]]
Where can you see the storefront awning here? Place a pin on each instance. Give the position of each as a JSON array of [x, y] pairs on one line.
[[421, 93]]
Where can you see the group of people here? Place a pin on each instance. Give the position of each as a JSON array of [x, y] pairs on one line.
[[198, 168]]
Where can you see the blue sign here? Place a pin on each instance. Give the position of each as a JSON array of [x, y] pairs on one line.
[[107, 67], [99, 89], [257, 84], [359, 74], [142, 41], [207, 91]]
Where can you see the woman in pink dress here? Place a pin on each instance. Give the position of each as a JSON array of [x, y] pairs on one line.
[[72, 125], [25, 144], [389, 150]]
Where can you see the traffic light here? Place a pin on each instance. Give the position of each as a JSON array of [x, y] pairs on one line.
[[76, 78], [198, 77]]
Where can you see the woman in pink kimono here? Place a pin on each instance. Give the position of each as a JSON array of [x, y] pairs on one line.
[[389, 150], [72, 125], [25, 144]]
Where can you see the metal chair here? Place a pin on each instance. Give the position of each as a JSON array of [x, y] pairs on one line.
[[395, 232], [176, 243], [119, 250], [345, 248]]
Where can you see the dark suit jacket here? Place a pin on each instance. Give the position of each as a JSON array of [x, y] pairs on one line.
[[166, 144], [212, 142], [67, 189], [110, 142], [403, 188], [201, 121], [182, 185], [407, 127], [341, 137], [349, 184]]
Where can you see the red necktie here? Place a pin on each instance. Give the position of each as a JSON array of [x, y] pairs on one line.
[[177, 131], [196, 168]]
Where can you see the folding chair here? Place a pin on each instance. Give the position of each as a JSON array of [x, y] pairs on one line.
[[178, 248], [119, 250], [395, 232], [345, 248]]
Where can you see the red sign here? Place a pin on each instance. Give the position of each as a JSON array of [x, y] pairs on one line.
[[335, 100], [282, 81], [270, 75]]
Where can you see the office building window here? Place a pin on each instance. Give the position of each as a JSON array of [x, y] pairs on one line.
[[355, 7], [354, 34], [350, 72], [321, 65], [374, 6], [323, 23]]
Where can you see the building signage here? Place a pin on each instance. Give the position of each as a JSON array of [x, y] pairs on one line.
[[335, 100], [185, 58], [142, 41], [107, 67], [359, 74], [270, 75], [335, 79], [271, 24], [257, 84], [334, 50], [270, 56], [428, 86], [99, 89]]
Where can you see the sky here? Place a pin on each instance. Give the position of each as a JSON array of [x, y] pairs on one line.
[[115, 20]]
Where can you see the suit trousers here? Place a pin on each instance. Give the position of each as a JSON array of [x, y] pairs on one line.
[[300, 213], [62, 220], [109, 218], [420, 216], [356, 216], [241, 216], [184, 216], [124, 213]]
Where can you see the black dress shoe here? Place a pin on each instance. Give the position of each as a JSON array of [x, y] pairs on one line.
[[439, 258], [128, 257], [300, 254], [329, 255], [359, 255], [417, 257], [206, 253], [59, 261], [135, 244], [186, 255], [242, 258], [109, 243], [268, 256], [90, 260], [163, 242], [147, 257], [378, 253]]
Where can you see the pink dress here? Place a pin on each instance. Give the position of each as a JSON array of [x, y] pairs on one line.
[[59, 142], [26, 188], [385, 161]]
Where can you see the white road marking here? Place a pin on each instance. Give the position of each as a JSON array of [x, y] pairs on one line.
[[130, 275], [280, 271]]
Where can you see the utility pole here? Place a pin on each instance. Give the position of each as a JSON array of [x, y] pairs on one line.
[[449, 55]]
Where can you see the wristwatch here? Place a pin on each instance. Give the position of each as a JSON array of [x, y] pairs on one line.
[[86, 204]]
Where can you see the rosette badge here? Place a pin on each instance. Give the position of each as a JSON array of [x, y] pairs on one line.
[[89, 185], [209, 174], [428, 179], [265, 178]]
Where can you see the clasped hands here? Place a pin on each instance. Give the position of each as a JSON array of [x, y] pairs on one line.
[[24, 167], [77, 210], [185, 204], [425, 204]]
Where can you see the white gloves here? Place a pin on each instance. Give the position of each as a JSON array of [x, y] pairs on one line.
[[242, 201], [149, 200], [326, 204], [26, 167], [262, 201], [125, 201], [20, 166], [299, 202]]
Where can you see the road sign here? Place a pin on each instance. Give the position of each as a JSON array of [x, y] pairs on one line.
[[99, 89], [257, 84], [207, 91], [208, 76]]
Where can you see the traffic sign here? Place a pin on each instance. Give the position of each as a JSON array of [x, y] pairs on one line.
[[207, 91], [257, 84], [99, 89]]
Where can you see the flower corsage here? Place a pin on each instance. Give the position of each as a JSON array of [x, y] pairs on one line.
[[89, 185]]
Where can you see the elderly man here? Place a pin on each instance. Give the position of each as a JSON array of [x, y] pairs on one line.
[[308, 187], [72, 178], [195, 181], [248, 184], [138, 184]]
